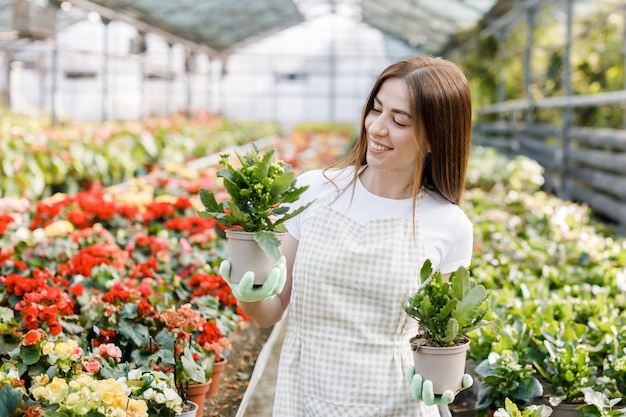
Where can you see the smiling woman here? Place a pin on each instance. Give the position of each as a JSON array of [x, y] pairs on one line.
[[396, 193]]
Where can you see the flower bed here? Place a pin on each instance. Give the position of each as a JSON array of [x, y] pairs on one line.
[[558, 276], [110, 300], [38, 160]]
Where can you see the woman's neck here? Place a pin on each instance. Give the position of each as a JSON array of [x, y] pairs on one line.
[[386, 184]]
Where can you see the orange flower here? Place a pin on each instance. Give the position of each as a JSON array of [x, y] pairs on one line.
[[33, 337]]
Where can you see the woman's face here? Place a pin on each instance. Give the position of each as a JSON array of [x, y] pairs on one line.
[[390, 129]]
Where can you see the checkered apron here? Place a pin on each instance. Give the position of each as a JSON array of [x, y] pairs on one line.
[[346, 348]]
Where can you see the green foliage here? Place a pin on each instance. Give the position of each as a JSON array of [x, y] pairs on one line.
[[567, 370], [504, 377], [10, 401], [37, 161], [260, 189], [447, 310], [495, 63]]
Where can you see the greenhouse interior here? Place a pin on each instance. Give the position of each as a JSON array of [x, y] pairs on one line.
[[140, 139]]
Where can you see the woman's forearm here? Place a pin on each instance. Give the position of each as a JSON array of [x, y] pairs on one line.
[[265, 313]]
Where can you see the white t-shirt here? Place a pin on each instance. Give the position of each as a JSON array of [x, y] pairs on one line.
[[446, 230]]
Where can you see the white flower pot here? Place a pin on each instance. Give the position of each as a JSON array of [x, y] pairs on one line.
[[190, 413], [444, 366], [245, 255]]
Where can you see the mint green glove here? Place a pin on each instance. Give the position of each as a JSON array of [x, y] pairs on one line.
[[245, 291], [423, 390]]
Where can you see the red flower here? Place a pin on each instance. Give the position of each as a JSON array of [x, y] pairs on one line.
[[5, 219], [210, 334], [144, 308], [49, 314], [55, 328], [118, 294], [77, 290], [79, 219], [33, 337]]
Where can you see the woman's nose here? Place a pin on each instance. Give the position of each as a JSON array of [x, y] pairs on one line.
[[378, 127]]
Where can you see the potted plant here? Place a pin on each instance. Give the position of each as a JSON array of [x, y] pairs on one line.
[[565, 371], [260, 187], [504, 377], [446, 310]]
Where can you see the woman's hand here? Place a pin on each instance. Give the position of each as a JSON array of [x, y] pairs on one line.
[[245, 291], [422, 390]]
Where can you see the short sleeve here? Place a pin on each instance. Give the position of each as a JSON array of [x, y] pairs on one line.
[[448, 234], [314, 180]]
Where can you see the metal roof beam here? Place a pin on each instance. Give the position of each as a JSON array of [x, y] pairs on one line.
[[141, 26]]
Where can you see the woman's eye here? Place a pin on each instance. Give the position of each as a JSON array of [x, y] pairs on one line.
[[398, 123], [374, 109]]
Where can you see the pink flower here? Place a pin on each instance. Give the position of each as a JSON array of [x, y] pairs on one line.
[[91, 365], [111, 351], [184, 245]]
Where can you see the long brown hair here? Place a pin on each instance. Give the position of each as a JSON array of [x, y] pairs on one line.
[[441, 104]]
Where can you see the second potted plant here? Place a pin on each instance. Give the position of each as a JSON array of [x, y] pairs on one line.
[[260, 188], [446, 310]]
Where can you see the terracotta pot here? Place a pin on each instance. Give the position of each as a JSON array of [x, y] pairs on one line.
[[246, 255], [444, 366], [196, 393], [216, 376], [189, 413]]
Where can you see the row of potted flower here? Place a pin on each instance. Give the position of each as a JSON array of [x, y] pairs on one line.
[[558, 282], [93, 286], [113, 294], [39, 160]]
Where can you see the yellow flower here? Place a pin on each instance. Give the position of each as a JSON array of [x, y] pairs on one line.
[[78, 404], [62, 350], [48, 348], [42, 379], [59, 228], [39, 393], [109, 390], [58, 389], [82, 381], [137, 408]]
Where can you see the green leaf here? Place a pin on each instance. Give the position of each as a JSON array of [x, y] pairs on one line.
[[292, 214], [469, 305], [452, 331], [6, 314], [30, 354], [295, 194], [192, 369], [10, 399], [426, 271], [282, 184], [137, 333], [210, 203], [269, 243]]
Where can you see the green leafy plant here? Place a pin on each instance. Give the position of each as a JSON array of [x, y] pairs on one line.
[[504, 377], [567, 370], [260, 189], [447, 310]]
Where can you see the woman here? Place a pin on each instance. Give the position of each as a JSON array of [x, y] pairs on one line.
[[354, 256]]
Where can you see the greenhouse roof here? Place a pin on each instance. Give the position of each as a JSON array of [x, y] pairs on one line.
[[223, 25]]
